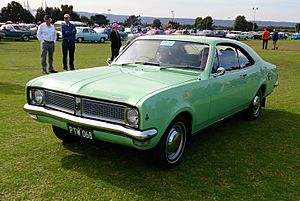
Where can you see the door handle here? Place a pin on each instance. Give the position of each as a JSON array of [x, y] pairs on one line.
[[243, 75]]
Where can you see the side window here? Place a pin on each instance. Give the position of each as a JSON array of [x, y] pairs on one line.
[[85, 31], [243, 60], [216, 63], [228, 58]]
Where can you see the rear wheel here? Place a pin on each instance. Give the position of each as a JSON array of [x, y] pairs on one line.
[[170, 149], [102, 40], [64, 135], [254, 109]]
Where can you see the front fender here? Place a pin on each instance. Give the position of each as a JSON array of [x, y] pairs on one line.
[[160, 109]]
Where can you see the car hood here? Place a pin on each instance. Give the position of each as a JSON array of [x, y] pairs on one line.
[[118, 84]]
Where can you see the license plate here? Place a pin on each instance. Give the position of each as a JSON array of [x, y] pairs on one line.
[[80, 132]]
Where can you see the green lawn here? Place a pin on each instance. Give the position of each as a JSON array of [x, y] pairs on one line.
[[235, 160]]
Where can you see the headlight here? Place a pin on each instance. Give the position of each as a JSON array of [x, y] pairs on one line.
[[132, 117], [37, 97]]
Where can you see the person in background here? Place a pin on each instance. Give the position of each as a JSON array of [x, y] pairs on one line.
[[275, 37], [47, 35], [68, 31], [265, 37], [115, 40]]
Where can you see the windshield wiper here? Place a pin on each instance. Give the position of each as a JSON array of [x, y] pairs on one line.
[[181, 67], [147, 63]]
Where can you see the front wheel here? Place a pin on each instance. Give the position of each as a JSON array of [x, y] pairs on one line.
[[64, 135], [79, 40], [25, 38], [170, 149], [254, 109]]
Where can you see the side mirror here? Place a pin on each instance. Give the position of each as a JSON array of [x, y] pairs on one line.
[[108, 61], [220, 71]]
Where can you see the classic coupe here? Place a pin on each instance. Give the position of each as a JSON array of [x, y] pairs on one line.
[[156, 94], [11, 33], [88, 34]]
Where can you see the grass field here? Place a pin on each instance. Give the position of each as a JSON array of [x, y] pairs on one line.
[[235, 160]]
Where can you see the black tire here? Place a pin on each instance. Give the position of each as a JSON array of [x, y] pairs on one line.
[[102, 40], [168, 155], [254, 109], [25, 38], [64, 135], [79, 40]]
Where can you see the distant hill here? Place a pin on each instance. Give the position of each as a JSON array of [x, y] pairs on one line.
[[164, 20]]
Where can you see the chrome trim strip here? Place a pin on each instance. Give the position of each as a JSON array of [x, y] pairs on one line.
[[97, 125]]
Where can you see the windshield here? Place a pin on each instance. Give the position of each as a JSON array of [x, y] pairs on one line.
[[166, 53]]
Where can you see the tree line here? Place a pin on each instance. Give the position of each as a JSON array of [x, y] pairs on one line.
[[16, 13]]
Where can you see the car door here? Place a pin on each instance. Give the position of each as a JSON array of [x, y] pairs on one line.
[[86, 34], [94, 36], [226, 91], [250, 72]]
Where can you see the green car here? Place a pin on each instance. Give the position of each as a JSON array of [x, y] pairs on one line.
[[157, 93], [11, 33]]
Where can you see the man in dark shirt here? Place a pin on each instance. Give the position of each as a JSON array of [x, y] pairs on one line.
[[275, 37], [68, 31], [115, 40]]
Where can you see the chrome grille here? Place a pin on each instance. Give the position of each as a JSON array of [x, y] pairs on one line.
[[103, 111], [60, 101]]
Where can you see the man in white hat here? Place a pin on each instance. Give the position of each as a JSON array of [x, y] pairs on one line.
[[68, 31], [47, 35]]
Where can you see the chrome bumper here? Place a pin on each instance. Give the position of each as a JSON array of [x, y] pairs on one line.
[[97, 125], [276, 83]]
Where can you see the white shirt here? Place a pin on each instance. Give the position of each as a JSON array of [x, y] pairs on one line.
[[47, 33]]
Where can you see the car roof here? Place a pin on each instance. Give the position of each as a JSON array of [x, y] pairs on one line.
[[202, 39], [199, 39]]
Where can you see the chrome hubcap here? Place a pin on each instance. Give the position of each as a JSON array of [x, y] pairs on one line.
[[256, 105], [175, 142]]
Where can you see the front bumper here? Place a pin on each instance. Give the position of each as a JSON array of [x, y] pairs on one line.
[[97, 125]]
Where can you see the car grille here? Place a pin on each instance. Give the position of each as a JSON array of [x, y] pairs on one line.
[[103, 111], [85, 107], [60, 102]]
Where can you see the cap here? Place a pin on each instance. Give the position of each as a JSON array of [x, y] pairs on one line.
[[66, 16], [47, 17], [115, 25]]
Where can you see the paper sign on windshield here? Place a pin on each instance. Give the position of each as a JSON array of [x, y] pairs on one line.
[[167, 43]]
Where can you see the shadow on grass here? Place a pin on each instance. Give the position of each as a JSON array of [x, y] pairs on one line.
[[218, 160], [7, 88]]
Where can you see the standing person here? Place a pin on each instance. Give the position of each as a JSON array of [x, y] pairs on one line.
[[275, 37], [265, 37], [115, 40], [47, 35], [68, 31]]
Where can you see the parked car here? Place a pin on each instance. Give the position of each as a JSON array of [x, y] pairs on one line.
[[88, 34], [11, 33], [108, 31], [257, 35], [156, 32], [282, 35], [156, 94], [237, 35], [2, 34], [295, 36], [248, 35]]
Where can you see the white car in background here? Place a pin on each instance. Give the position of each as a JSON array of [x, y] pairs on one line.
[[237, 35], [249, 35]]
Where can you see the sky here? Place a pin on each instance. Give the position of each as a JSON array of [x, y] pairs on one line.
[[268, 10]]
